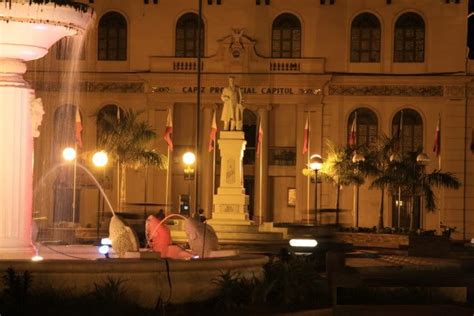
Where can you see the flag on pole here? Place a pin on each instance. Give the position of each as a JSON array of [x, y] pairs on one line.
[[353, 134], [78, 128], [306, 137], [437, 141], [213, 132], [259, 138], [169, 131], [399, 134]]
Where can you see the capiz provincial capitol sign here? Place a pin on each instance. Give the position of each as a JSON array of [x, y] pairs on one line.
[[245, 90]]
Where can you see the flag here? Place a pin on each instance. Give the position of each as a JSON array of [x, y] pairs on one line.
[[78, 128], [437, 141], [259, 138], [306, 137], [353, 133], [169, 131], [213, 132]]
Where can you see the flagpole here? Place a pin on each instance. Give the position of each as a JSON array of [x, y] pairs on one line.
[[167, 182], [74, 187], [260, 174], [308, 181]]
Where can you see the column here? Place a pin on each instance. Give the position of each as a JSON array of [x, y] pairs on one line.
[[206, 162], [231, 202], [261, 213], [16, 173]]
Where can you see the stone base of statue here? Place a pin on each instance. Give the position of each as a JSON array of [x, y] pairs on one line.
[[231, 202]]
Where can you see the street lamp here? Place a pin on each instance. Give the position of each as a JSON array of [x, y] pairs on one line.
[[397, 158], [315, 164], [189, 159], [356, 159], [422, 159]]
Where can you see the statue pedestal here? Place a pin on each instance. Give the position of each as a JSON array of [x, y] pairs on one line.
[[230, 202]]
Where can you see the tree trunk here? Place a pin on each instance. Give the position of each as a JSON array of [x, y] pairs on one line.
[[338, 190], [380, 225], [123, 186]]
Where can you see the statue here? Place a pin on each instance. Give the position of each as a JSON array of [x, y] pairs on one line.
[[122, 236], [159, 238], [201, 237], [37, 113], [232, 112]]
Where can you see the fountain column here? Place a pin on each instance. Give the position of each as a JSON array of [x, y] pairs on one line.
[[16, 173]]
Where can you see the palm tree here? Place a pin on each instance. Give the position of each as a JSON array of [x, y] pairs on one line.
[[407, 175], [126, 140], [384, 169], [418, 182], [339, 169]]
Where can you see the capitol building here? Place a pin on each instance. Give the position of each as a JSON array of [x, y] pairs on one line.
[[298, 63]]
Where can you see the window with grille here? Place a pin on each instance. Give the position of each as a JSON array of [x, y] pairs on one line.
[[366, 126], [411, 133], [286, 37], [112, 37], [187, 34], [365, 39], [409, 46]]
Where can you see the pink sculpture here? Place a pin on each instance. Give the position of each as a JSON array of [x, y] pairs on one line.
[[159, 239]]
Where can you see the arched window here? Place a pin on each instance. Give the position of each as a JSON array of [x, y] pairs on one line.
[[112, 37], [366, 126], [187, 35], [286, 37], [365, 39], [409, 39], [111, 112], [411, 131]]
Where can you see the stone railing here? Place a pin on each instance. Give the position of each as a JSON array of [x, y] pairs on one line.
[[174, 64], [259, 64]]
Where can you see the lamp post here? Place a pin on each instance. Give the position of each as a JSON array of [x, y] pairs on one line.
[[315, 164], [356, 159], [422, 159], [396, 158], [99, 160], [70, 154], [189, 158]]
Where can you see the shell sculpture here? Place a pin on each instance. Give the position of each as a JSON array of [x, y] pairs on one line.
[[202, 238], [123, 238]]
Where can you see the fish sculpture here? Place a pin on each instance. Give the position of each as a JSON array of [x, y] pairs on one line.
[[201, 236], [123, 238]]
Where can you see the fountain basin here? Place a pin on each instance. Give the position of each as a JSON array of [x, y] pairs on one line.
[[145, 279], [29, 30]]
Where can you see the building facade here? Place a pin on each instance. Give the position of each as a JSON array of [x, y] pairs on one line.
[[294, 60]]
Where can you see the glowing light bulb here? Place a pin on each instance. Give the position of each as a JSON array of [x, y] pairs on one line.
[[104, 250], [69, 154], [100, 159], [37, 258], [306, 243], [189, 158]]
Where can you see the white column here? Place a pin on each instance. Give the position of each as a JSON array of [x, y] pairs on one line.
[[16, 173], [231, 202]]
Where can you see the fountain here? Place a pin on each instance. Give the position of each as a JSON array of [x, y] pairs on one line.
[[27, 30]]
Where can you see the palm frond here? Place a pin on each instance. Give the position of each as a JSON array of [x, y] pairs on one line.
[[443, 179]]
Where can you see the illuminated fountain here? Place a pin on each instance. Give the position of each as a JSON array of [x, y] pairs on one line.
[[27, 30]]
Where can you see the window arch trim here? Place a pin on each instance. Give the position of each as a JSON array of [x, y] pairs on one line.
[[287, 45], [121, 46], [375, 49], [398, 59]]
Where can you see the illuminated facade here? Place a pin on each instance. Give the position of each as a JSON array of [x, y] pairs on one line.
[[293, 59]]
